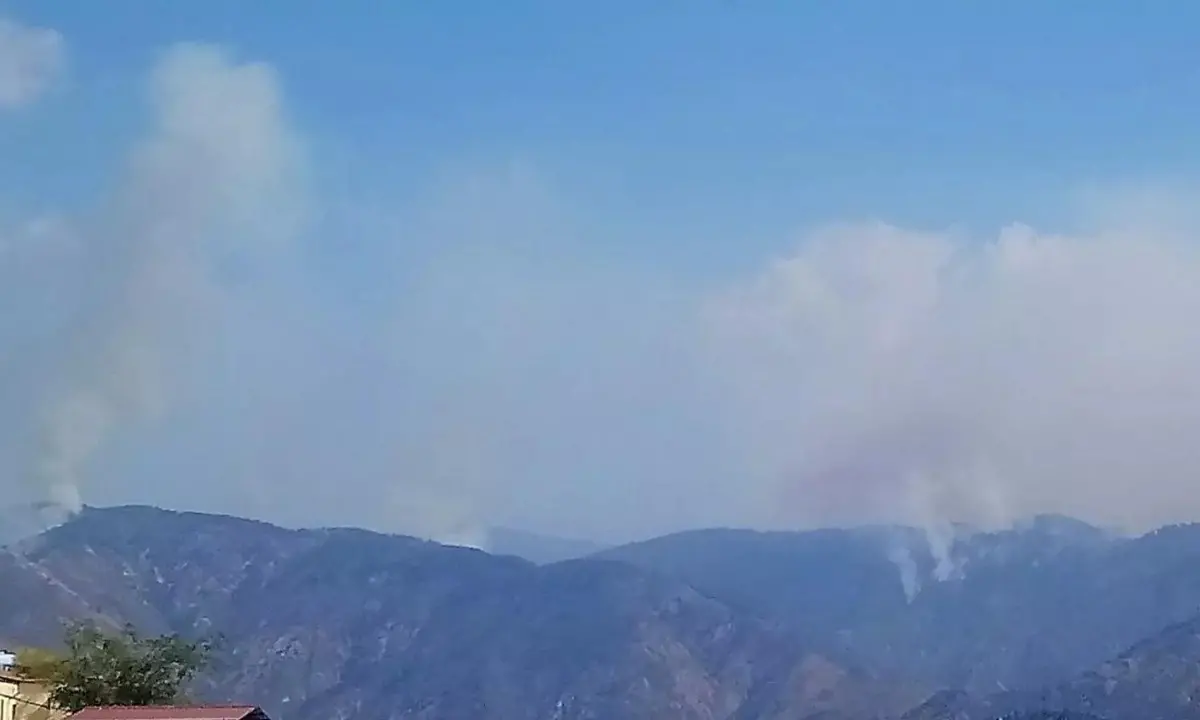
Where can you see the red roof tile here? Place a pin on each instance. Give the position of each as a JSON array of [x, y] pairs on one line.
[[156, 712]]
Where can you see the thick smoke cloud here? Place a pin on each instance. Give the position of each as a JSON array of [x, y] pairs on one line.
[[886, 374], [30, 60]]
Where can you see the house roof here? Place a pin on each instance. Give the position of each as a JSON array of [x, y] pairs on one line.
[[169, 712]]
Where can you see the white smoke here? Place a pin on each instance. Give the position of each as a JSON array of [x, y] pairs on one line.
[[31, 59], [883, 374], [492, 359], [910, 574], [212, 183]]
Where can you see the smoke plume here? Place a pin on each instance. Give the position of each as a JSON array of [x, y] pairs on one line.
[[218, 158], [885, 374]]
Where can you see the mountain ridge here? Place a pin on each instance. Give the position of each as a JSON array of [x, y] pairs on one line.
[[392, 626], [705, 624]]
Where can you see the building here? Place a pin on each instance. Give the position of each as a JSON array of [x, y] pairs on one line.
[[170, 712], [25, 699]]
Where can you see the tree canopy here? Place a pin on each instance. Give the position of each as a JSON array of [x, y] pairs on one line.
[[37, 663], [105, 668]]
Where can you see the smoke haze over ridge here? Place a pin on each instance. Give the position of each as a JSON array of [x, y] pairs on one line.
[[187, 341]]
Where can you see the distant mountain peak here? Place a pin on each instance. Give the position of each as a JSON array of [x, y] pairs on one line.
[[539, 547], [1063, 526]]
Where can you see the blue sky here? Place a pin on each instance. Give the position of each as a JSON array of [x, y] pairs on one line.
[[536, 276], [715, 117]]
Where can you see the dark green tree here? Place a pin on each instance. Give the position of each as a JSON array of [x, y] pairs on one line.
[[104, 668]]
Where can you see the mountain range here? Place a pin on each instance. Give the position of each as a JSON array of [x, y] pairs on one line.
[[1052, 618]]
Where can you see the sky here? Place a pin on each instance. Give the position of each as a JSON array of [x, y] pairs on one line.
[[602, 270]]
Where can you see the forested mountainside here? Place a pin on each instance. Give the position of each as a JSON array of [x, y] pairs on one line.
[[1019, 609], [348, 623], [1052, 617]]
